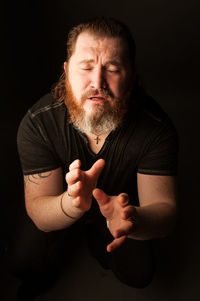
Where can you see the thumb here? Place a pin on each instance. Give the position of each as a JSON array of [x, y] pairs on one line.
[[96, 169], [116, 243], [101, 197]]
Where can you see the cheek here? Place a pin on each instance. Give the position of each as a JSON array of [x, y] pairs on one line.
[[117, 86], [78, 83], [83, 81], [125, 86]]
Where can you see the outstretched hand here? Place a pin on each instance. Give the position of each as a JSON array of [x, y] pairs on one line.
[[119, 214], [82, 183]]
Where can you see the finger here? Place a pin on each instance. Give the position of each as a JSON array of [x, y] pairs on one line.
[[125, 229], [73, 176], [116, 243], [123, 199], [74, 190], [101, 197], [75, 164], [128, 213], [96, 168]]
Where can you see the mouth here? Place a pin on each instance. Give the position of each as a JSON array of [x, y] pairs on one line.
[[98, 98]]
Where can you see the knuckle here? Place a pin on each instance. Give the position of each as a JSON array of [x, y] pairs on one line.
[[75, 189], [131, 227], [67, 177], [77, 173], [124, 195], [123, 215], [79, 185], [116, 233], [71, 166]]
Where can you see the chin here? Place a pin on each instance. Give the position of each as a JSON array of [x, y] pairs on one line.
[[95, 109]]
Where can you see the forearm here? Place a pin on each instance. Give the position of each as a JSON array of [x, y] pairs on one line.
[[47, 212], [154, 221]]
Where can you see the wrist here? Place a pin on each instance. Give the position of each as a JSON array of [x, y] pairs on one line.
[[136, 221], [70, 211]]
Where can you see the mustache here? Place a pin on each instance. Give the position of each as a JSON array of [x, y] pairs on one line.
[[93, 93]]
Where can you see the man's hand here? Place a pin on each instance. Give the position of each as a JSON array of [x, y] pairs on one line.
[[119, 214], [81, 184]]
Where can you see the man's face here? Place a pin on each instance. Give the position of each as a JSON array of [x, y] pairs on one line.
[[99, 74]]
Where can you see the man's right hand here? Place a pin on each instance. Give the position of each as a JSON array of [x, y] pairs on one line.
[[80, 186]]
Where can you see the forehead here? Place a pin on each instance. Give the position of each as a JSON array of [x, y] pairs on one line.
[[89, 44]]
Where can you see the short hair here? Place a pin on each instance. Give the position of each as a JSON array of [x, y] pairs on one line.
[[100, 27]]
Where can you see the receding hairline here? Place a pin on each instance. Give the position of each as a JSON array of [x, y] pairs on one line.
[[103, 27], [99, 35]]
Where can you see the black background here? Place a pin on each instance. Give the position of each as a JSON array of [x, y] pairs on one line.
[[33, 37]]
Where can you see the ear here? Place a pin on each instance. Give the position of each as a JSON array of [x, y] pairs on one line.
[[65, 67]]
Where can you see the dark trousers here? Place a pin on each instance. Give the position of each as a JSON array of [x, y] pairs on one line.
[[33, 254]]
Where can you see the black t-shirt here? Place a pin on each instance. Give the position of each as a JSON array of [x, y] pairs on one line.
[[145, 143]]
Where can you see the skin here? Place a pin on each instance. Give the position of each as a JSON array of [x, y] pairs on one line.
[[96, 64], [91, 67], [99, 63]]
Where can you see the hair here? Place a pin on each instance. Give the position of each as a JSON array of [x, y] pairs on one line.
[[100, 27]]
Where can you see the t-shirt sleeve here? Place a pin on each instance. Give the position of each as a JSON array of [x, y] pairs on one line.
[[34, 149], [160, 153]]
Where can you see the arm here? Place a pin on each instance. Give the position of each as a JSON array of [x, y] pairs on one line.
[[42, 199], [44, 193], [158, 206], [153, 219]]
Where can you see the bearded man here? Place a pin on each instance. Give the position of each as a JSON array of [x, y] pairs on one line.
[[99, 154]]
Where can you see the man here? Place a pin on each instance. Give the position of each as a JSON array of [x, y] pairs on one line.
[[99, 151]]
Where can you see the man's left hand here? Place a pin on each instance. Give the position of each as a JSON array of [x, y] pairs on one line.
[[119, 215]]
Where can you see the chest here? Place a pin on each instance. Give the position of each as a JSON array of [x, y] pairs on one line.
[[96, 143]]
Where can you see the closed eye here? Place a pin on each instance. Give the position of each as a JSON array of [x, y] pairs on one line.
[[113, 71], [86, 68]]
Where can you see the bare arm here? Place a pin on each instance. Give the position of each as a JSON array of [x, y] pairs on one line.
[[157, 213], [42, 198], [154, 218], [52, 209]]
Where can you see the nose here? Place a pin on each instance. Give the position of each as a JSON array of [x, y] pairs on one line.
[[98, 80]]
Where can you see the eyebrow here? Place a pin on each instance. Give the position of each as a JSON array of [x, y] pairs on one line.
[[111, 62], [86, 61]]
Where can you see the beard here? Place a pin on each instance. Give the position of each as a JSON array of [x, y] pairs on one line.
[[101, 119]]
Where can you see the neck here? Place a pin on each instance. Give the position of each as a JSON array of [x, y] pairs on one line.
[[96, 141]]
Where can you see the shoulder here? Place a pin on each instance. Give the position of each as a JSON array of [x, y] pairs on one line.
[[44, 119], [150, 125], [150, 109], [149, 114], [45, 104], [45, 112], [40, 135], [157, 137]]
